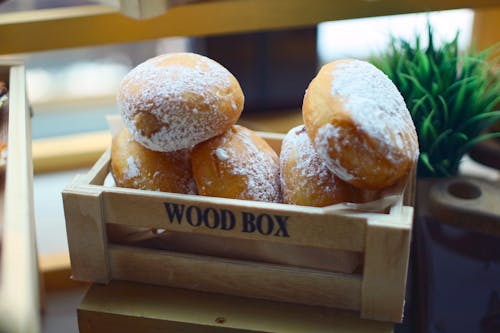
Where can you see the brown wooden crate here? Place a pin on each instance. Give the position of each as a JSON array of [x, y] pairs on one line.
[[91, 209]]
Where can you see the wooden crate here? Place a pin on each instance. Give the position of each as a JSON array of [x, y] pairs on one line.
[[19, 297], [132, 307], [376, 292]]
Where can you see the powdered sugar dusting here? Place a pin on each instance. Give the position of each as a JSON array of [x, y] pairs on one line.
[[309, 166], [261, 168], [192, 188], [221, 154], [133, 168], [185, 99], [376, 106], [326, 134]]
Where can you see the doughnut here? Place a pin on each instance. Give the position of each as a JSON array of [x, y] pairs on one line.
[[306, 180], [135, 166], [237, 164], [175, 101], [359, 124]]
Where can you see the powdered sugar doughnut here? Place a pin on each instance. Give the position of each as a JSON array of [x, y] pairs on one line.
[[135, 166], [306, 180], [177, 100], [237, 164], [359, 124]]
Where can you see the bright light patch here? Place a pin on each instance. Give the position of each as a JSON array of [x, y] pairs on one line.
[[360, 38]]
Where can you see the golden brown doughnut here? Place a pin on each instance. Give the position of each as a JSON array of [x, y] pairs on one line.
[[359, 124], [174, 101], [306, 180], [135, 166], [3, 155], [237, 164]]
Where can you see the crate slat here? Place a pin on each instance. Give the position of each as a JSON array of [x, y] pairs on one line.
[[304, 225], [234, 277]]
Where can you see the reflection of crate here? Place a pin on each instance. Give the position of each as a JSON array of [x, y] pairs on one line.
[[19, 299], [377, 291]]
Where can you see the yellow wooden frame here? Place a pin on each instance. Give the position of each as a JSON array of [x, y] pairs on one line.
[[50, 29]]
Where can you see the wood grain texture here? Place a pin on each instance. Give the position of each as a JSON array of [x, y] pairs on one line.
[[385, 267], [129, 307], [97, 25], [19, 286], [234, 277], [86, 236]]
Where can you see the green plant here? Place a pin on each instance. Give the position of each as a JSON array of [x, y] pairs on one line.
[[450, 96]]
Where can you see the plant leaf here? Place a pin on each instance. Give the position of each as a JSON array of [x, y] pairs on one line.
[[481, 120], [450, 96]]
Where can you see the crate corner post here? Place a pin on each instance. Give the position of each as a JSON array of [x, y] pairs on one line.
[[386, 265], [86, 233]]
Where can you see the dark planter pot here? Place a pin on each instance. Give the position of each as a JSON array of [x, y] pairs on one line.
[[487, 153], [456, 256]]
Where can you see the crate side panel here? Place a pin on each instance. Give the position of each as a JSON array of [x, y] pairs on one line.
[[233, 277], [235, 218]]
